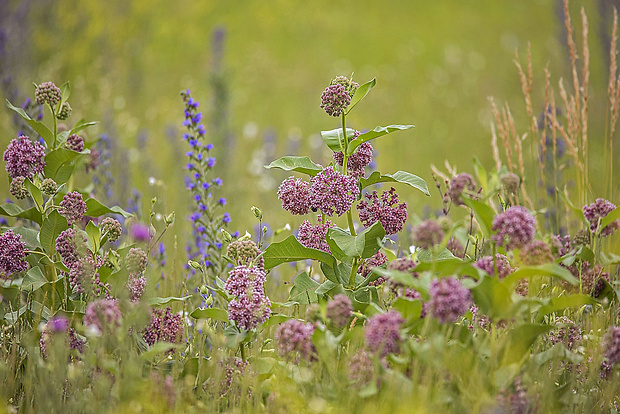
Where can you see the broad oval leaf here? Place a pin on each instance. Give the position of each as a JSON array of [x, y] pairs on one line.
[[293, 163], [334, 138], [57, 163], [609, 218], [549, 269], [34, 279], [398, 177], [39, 127], [13, 210], [95, 209], [375, 133], [290, 250], [211, 313], [52, 226], [304, 290], [360, 94]]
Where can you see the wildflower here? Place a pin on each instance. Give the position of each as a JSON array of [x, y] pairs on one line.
[[72, 207], [49, 186], [314, 236], [65, 111], [455, 247], [56, 326], [332, 192], [511, 182], [383, 333], [349, 85], [358, 160], [387, 210], [596, 211], [102, 315], [136, 260], [112, 228], [503, 265], [335, 99], [581, 238], [294, 336], [514, 228], [402, 264], [140, 232], [24, 158], [536, 253], [295, 195], [379, 259], [427, 234], [75, 143], [136, 285], [569, 335], [244, 252], [449, 299], [69, 245], [340, 310], [611, 348], [12, 254], [17, 188], [242, 280], [48, 93], [361, 369], [164, 327], [251, 307], [458, 184]]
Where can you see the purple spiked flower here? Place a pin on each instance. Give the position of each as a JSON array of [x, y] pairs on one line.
[[24, 158], [449, 299], [12, 254], [294, 336], [72, 207], [383, 333], [340, 310], [379, 259], [295, 195], [332, 192], [597, 210], [514, 228], [387, 210]]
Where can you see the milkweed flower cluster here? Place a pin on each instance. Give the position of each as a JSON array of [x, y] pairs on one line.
[[427, 234], [112, 228], [295, 195], [332, 192], [598, 210], [72, 207], [536, 253], [12, 254], [59, 326], [449, 299], [70, 245], [251, 306], [514, 228], [75, 143], [245, 252], [383, 333], [314, 236], [611, 350], [570, 335], [387, 210], [501, 262], [340, 310], [379, 259], [335, 99], [49, 186], [358, 160], [24, 158], [164, 327], [48, 93], [136, 260], [294, 339], [102, 315], [361, 368], [17, 188], [458, 184]]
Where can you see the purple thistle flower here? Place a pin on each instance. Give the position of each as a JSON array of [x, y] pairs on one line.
[[295, 195], [536, 253], [387, 210], [69, 245], [458, 184], [48, 93], [503, 265], [427, 234], [314, 237], [72, 207], [514, 228], [102, 315], [358, 160], [449, 299], [597, 210], [332, 192], [335, 99], [75, 143], [294, 340], [24, 158], [12, 254], [383, 333], [340, 310], [164, 327]]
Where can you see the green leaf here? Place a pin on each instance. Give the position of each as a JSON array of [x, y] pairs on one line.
[[410, 309], [520, 339], [276, 319], [608, 259], [34, 279], [360, 94], [398, 177], [39, 127], [235, 336], [557, 351], [57, 163], [293, 163], [493, 298], [481, 174], [210, 313], [304, 290], [449, 266], [375, 133], [548, 269], [52, 226], [334, 138], [339, 274], [290, 250], [484, 215], [609, 218], [158, 348], [36, 194], [94, 234], [372, 236], [95, 209], [80, 125], [164, 301], [329, 288], [340, 241], [13, 210], [563, 302], [578, 212], [66, 92]]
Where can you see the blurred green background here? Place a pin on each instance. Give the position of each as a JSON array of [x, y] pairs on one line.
[[258, 69]]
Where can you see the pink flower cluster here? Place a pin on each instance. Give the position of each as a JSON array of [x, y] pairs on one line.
[[597, 210], [251, 306], [313, 237], [69, 245], [503, 265], [102, 315], [340, 310], [387, 210], [294, 339], [514, 228], [335, 99], [536, 253], [358, 160], [383, 333], [12, 254], [332, 192], [295, 195], [164, 327], [72, 207], [427, 234], [24, 158], [458, 184], [449, 299]]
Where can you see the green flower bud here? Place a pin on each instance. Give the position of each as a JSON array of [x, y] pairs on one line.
[[65, 111], [49, 186]]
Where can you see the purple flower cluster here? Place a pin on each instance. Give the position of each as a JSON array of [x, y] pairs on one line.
[[49, 93], [455, 247], [136, 285], [332, 192], [245, 252], [17, 188], [503, 265], [64, 112], [536, 253], [387, 210], [611, 348], [294, 336], [458, 184], [70, 245], [295, 195], [569, 335], [379, 259], [449, 299], [83, 276], [12, 254], [340, 310], [361, 369], [24, 158], [136, 260], [427, 234], [514, 228], [164, 327], [75, 143], [358, 160], [314, 237], [112, 228], [383, 333], [103, 315], [58, 326], [335, 99], [596, 211], [72, 207], [251, 306], [403, 264]]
